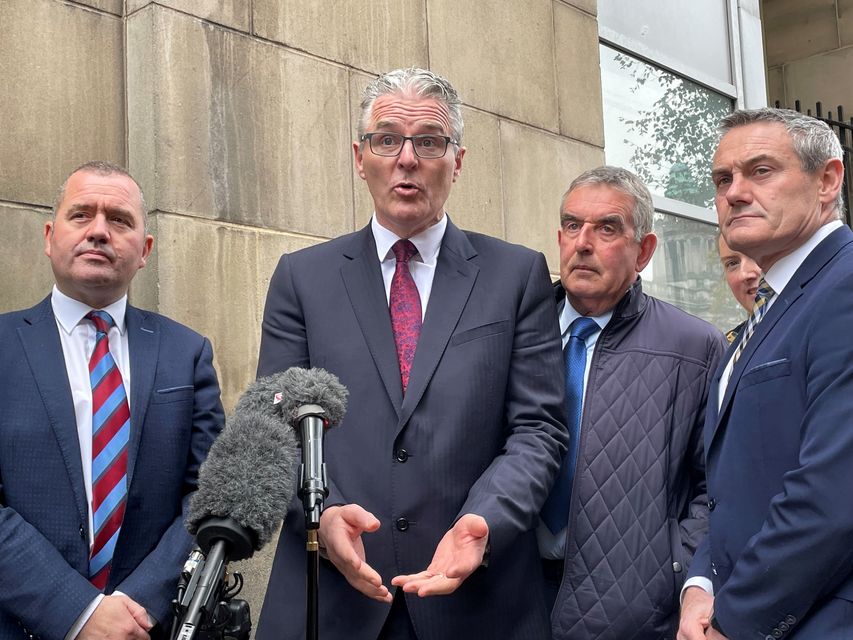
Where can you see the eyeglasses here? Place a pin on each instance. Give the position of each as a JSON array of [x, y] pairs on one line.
[[426, 145]]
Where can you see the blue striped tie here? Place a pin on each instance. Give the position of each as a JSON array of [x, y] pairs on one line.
[[110, 435]]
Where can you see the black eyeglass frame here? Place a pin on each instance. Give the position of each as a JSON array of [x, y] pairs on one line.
[[447, 142]]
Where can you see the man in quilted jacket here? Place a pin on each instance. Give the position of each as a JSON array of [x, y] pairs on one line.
[[629, 508]]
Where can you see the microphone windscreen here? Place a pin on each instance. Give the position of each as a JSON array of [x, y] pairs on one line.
[[249, 475], [312, 386]]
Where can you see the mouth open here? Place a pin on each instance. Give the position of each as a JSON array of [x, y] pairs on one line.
[[406, 188]]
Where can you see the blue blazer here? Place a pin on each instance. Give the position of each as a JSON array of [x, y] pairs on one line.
[[480, 430], [44, 541], [780, 463]]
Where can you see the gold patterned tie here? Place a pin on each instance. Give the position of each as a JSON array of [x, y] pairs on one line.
[[763, 296]]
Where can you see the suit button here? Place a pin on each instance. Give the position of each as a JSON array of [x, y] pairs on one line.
[[402, 455], [777, 634], [402, 524], [82, 532], [790, 619], [711, 504], [783, 626], [676, 567]]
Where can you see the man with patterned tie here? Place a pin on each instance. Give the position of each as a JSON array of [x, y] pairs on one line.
[[448, 343], [629, 507], [108, 411], [779, 428]]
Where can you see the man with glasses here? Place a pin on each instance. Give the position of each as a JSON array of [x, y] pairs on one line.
[[448, 343]]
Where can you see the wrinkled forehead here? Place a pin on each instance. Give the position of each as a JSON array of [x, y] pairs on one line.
[[408, 109], [88, 188]]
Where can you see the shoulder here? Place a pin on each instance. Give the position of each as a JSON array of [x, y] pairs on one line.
[[150, 321], [684, 332], [32, 315]]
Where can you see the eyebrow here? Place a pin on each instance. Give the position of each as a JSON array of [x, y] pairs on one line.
[[610, 218], [749, 162], [79, 206], [429, 124]]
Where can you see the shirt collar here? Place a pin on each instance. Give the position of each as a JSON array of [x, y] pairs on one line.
[[569, 315], [69, 312], [427, 242], [780, 274]]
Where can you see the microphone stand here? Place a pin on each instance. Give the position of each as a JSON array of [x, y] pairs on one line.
[[313, 491]]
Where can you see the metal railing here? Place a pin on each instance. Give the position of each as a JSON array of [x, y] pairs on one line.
[[844, 130]]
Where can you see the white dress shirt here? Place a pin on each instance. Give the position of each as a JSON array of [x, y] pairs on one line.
[[423, 263], [77, 336]]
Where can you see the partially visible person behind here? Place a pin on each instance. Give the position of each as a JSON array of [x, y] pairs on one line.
[[629, 507], [742, 276], [108, 411], [779, 429]]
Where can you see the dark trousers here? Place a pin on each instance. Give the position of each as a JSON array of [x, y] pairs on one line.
[[552, 571], [398, 624]]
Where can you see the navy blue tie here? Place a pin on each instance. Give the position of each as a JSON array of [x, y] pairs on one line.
[[555, 512]]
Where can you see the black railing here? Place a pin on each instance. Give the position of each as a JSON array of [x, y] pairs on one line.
[[844, 130]]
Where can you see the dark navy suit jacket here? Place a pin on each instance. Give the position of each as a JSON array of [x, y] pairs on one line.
[[780, 463], [480, 430], [44, 543]]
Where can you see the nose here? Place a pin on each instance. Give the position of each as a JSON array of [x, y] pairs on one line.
[[408, 157], [98, 229], [584, 239], [738, 191]]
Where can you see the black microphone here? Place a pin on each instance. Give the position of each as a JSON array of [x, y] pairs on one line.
[[244, 488], [313, 401]]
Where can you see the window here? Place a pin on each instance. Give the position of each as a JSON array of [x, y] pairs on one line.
[[669, 71]]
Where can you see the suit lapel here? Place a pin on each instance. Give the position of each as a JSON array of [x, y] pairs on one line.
[[362, 278], [143, 341], [811, 267], [454, 278], [43, 348]]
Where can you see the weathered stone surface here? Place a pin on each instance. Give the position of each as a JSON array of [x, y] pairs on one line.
[[578, 75], [776, 87], [112, 6], [498, 55], [799, 29], [590, 6], [475, 201], [362, 202], [845, 22], [231, 13], [236, 129], [376, 36], [213, 277], [817, 78], [27, 277], [537, 168], [62, 101]]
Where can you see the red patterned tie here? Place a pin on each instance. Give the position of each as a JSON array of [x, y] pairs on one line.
[[110, 432], [405, 307]]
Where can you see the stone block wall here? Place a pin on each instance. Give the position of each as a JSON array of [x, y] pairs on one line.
[[809, 48], [237, 117]]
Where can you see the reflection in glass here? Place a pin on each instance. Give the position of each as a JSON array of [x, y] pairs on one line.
[[685, 271], [660, 126]]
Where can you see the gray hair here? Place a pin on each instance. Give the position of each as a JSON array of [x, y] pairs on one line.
[[813, 141], [102, 168], [627, 183], [423, 83]]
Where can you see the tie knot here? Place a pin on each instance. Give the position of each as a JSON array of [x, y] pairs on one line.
[[101, 319], [764, 291], [404, 250], [583, 328]]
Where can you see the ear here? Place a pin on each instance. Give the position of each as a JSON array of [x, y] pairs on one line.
[[831, 180], [146, 250], [647, 249], [358, 154], [48, 234], [457, 163]]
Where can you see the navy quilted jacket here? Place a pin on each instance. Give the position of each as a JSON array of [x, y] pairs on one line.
[[639, 506]]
